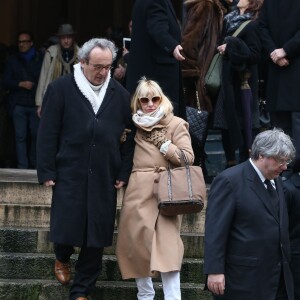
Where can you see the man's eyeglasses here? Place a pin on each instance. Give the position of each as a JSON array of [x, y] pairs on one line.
[[24, 41], [282, 162], [154, 100], [99, 68]]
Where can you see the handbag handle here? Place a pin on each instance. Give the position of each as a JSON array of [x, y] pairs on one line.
[[188, 176]]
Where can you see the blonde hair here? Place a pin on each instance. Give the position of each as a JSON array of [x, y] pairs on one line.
[[146, 86]]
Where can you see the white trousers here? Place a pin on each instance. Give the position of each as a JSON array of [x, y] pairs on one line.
[[171, 287]]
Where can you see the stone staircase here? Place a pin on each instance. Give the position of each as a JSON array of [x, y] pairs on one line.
[[215, 161], [26, 256]]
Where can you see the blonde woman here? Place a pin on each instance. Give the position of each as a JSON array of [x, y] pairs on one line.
[[149, 243]]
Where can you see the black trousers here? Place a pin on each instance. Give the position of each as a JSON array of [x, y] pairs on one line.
[[87, 268], [281, 292]]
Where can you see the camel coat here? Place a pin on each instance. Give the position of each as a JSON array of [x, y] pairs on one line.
[[147, 241]]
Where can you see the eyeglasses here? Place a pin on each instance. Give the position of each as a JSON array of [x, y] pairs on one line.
[[146, 100], [99, 68], [24, 41], [282, 162]]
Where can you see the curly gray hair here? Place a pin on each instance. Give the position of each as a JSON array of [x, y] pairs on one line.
[[87, 47], [273, 143]]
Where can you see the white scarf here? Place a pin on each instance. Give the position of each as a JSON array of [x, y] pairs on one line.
[[148, 120], [85, 87]]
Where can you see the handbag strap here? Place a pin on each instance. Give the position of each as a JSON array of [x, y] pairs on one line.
[[188, 176], [198, 101], [242, 26]]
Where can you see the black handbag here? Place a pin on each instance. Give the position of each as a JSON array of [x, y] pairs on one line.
[[180, 190], [198, 122]]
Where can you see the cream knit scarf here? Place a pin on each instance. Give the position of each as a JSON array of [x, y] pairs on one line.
[[147, 120], [86, 88]]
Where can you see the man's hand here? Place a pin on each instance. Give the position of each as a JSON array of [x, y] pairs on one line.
[[49, 183], [177, 54], [119, 72], [283, 62], [119, 184], [28, 85], [216, 283], [277, 54], [38, 111]]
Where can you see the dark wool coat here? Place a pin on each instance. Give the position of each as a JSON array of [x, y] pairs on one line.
[[280, 28], [244, 238], [292, 192], [155, 34], [81, 152], [242, 54]]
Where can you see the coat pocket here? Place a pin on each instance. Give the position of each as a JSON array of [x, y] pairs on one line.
[[242, 277], [247, 261]]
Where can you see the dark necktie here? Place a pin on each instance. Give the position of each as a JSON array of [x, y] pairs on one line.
[[273, 194]]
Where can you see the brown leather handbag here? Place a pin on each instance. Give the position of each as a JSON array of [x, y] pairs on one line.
[[180, 190]]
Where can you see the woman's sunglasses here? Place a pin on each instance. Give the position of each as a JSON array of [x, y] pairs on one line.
[[154, 100]]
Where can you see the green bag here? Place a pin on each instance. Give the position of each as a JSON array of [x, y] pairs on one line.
[[213, 77]]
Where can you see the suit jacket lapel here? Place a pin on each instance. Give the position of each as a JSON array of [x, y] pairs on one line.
[[171, 8], [258, 187], [280, 193]]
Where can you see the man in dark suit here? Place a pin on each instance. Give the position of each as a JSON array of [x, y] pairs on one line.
[[247, 248], [280, 35], [155, 48], [292, 194], [79, 154]]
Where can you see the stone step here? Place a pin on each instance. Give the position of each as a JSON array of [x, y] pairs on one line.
[[40, 266], [24, 193], [36, 240], [16, 215], [105, 290], [24, 215]]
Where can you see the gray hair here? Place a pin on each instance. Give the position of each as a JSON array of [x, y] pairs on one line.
[[87, 47], [273, 143]]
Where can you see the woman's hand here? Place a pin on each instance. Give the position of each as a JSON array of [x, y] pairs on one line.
[[119, 184], [222, 49], [156, 136]]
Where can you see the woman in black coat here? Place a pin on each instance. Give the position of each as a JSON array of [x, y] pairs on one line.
[[239, 80]]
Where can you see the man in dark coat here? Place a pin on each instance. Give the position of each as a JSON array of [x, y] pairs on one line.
[[247, 249], [20, 78], [280, 35], [292, 193], [155, 48], [81, 156]]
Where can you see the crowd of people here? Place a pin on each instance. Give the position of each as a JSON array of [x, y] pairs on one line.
[[96, 118]]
